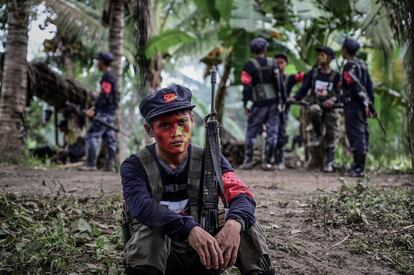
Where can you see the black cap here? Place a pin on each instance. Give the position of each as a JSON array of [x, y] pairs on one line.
[[258, 45], [283, 56], [351, 45], [166, 100], [105, 57], [326, 50]]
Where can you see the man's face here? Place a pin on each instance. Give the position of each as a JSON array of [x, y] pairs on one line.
[[100, 64], [281, 63], [344, 52], [172, 132], [323, 59]]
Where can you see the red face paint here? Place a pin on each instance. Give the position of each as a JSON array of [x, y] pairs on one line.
[[172, 132]]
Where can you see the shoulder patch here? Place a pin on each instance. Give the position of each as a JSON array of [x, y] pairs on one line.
[[106, 87]]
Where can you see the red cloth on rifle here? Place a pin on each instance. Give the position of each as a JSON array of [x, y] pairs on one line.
[[234, 186]]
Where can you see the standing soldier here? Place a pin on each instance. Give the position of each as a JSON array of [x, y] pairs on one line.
[[323, 84], [261, 85], [105, 107], [289, 81], [358, 100]]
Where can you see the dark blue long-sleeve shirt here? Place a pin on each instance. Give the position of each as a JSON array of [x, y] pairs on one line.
[[107, 100], [353, 91], [176, 226]]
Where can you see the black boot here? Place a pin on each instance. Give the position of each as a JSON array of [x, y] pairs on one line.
[[248, 158], [269, 152], [358, 167], [279, 158], [329, 159], [109, 164]]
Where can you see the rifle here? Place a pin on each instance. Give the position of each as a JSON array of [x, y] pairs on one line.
[[81, 112], [363, 94], [212, 181]]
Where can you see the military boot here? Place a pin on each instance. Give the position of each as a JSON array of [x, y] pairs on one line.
[[329, 159], [357, 170], [279, 159], [109, 164], [267, 163], [248, 159]]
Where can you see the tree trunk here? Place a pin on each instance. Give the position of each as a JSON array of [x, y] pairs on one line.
[[116, 39], [14, 84], [411, 77], [221, 93], [116, 47]]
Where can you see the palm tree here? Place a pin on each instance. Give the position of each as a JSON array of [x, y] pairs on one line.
[[14, 84]]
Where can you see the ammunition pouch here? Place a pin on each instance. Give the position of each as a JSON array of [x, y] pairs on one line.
[[263, 92], [126, 225]]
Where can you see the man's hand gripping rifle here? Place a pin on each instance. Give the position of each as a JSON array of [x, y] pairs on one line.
[[212, 182], [81, 112]]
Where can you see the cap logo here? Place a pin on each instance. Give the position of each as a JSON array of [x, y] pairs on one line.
[[168, 97]]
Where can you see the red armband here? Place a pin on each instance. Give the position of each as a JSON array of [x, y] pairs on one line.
[[245, 78], [299, 77], [106, 87], [234, 186], [348, 78]]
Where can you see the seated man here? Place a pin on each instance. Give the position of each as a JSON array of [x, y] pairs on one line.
[[161, 188], [74, 142]]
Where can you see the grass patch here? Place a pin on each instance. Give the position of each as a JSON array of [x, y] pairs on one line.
[[380, 221], [60, 235]]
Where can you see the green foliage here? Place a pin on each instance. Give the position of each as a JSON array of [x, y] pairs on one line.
[[379, 221], [167, 40], [40, 132], [59, 235]]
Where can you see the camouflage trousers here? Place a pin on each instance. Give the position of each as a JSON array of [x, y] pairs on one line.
[[97, 131], [262, 116], [149, 248], [330, 120]]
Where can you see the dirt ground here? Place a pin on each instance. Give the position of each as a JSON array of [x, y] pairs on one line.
[[282, 198]]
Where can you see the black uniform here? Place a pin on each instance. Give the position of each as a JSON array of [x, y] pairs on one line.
[[282, 139], [357, 96], [263, 86], [105, 107]]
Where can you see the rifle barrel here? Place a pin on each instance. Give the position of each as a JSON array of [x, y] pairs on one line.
[[213, 90]]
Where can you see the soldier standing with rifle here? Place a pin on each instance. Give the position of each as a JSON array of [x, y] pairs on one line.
[[323, 84], [289, 81], [171, 190], [358, 101], [262, 85], [103, 113]]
